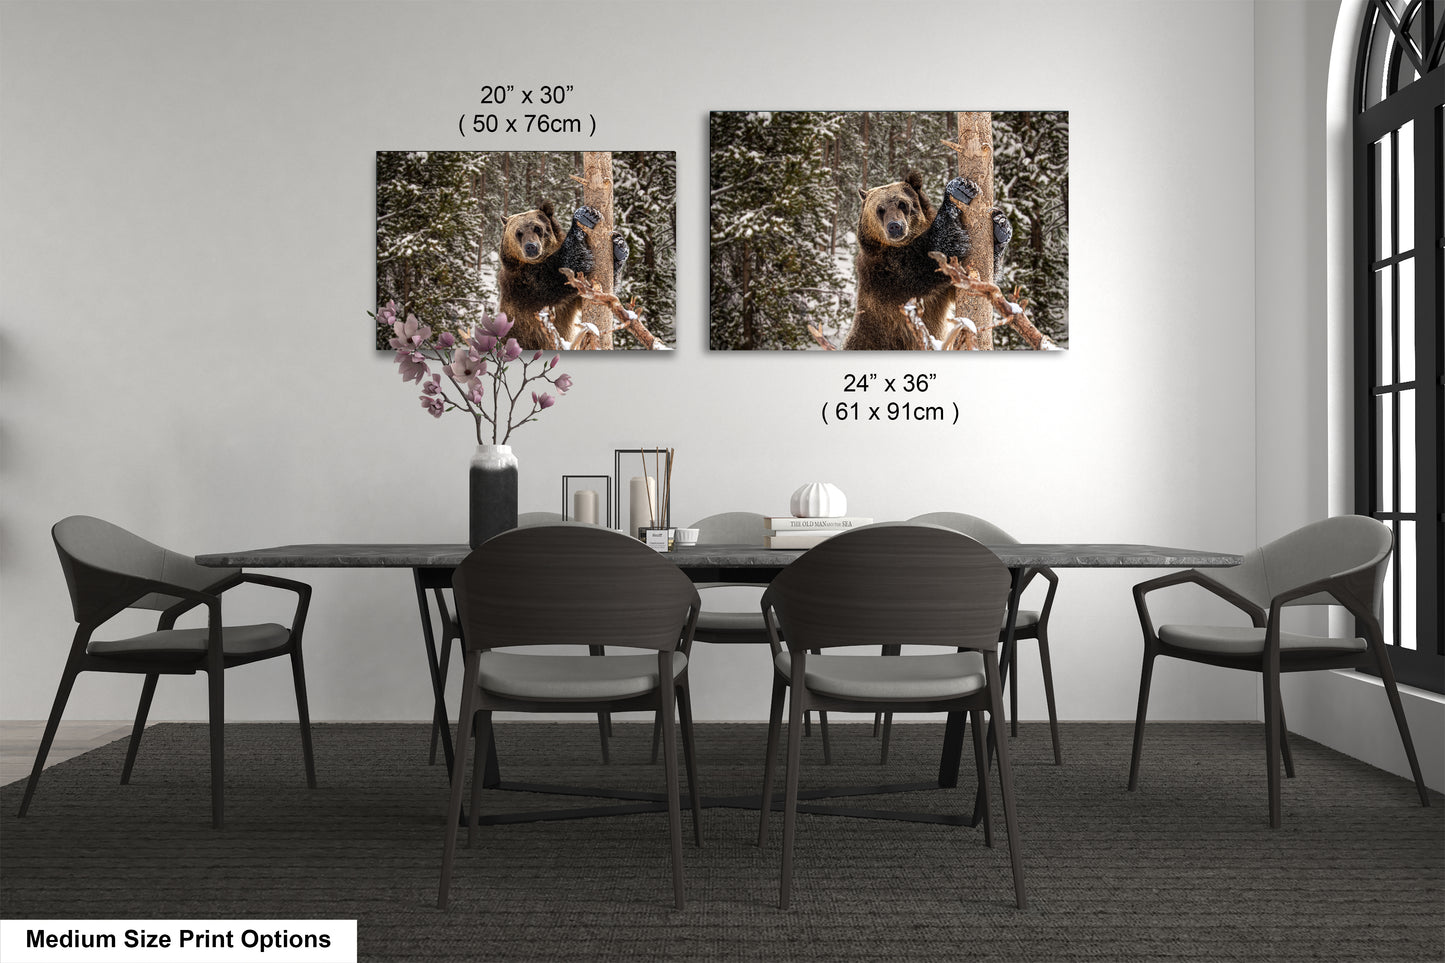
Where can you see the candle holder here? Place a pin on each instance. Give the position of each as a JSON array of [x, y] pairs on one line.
[[574, 485], [654, 463]]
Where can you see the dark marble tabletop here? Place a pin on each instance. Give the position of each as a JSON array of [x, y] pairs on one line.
[[442, 555]]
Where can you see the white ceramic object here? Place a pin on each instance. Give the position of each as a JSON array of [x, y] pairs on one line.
[[688, 536], [819, 500]]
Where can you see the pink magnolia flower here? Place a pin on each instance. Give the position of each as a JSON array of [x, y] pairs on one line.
[[433, 404], [483, 342], [387, 314], [447, 339], [463, 368], [510, 351], [432, 386], [536, 356], [412, 364], [410, 334], [498, 326], [544, 400], [555, 358], [564, 383]]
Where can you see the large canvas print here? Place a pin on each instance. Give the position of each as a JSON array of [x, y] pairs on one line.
[[889, 230], [578, 248]]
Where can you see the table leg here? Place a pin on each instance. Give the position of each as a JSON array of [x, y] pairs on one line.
[[434, 664], [1005, 657]]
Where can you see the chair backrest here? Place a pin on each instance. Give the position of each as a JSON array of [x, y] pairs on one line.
[[892, 584], [572, 585], [731, 528], [974, 527], [1316, 551], [100, 560]]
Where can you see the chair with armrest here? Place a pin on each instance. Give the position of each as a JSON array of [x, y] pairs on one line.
[[1340, 560], [883, 584], [620, 593], [108, 570], [1030, 624]]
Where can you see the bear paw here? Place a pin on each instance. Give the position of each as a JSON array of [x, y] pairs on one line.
[[620, 250], [962, 189], [588, 217], [1002, 229]]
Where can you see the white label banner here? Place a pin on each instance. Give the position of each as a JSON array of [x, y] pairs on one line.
[[191, 941]]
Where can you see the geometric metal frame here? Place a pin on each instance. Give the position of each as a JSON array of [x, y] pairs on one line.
[[567, 492]]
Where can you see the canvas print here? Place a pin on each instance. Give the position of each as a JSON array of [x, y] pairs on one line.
[[889, 230], [577, 248]]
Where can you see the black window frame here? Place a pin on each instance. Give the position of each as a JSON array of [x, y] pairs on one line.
[[1397, 39]]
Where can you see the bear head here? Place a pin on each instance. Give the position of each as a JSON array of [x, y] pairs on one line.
[[532, 236], [895, 214]]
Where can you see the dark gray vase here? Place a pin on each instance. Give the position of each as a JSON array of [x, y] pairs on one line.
[[493, 493]]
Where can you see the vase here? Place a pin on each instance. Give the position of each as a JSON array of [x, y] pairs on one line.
[[493, 493]]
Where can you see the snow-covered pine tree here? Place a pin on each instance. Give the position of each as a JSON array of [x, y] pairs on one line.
[[645, 207], [1031, 179]]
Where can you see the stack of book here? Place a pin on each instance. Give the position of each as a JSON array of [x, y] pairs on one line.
[[790, 532]]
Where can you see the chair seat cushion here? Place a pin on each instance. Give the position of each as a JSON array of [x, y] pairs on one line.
[[565, 678], [1027, 619], [188, 645], [889, 678], [1247, 640]]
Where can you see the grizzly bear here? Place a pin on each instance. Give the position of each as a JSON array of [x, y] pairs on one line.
[[534, 251], [897, 229]]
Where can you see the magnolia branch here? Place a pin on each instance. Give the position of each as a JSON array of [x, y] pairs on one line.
[[626, 316], [1011, 312]]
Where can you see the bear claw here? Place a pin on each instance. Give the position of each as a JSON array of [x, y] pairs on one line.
[[588, 217], [1002, 229], [962, 189], [620, 250]]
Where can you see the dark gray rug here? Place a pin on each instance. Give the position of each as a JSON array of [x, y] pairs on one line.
[[1185, 869]]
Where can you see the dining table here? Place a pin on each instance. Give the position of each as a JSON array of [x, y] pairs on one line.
[[432, 566]]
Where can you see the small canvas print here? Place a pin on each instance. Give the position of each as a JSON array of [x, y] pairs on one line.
[[577, 248], [889, 230]]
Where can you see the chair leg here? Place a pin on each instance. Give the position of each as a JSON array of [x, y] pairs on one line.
[[1284, 743], [1392, 692], [303, 714], [1271, 738], [827, 746], [980, 756], [790, 793], [668, 705], [482, 722], [1006, 786], [887, 738], [1145, 676], [604, 719], [775, 724], [459, 775], [1013, 689], [1048, 669], [877, 724], [216, 683], [689, 758], [656, 735], [57, 709], [147, 692]]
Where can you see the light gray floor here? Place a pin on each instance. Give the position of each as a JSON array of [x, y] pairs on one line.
[[20, 740]]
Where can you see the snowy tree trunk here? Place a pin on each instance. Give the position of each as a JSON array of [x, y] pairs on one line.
[[975, 161], [597, 193]]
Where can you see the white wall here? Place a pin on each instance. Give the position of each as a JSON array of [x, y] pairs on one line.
[[187, 258]]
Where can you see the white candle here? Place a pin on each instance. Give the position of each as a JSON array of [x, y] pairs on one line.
[[644, 503], [584, 506]]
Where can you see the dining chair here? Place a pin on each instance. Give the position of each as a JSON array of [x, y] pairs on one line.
[[1337, 561], [451, 636], [109, 570], [618, 592], [1029, 624], [923, 585], [733, 626]]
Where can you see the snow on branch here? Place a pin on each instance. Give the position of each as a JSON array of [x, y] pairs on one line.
[[589, 338], [818, 337], [1012, 313]]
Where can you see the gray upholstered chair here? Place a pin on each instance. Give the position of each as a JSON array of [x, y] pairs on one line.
[[619, 593], [1030, 624], [451, 635], [109, 570], [732, 626], [883, 584], [1341, 561]]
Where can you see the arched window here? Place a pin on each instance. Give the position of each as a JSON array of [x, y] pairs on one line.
[[1399, 187]]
